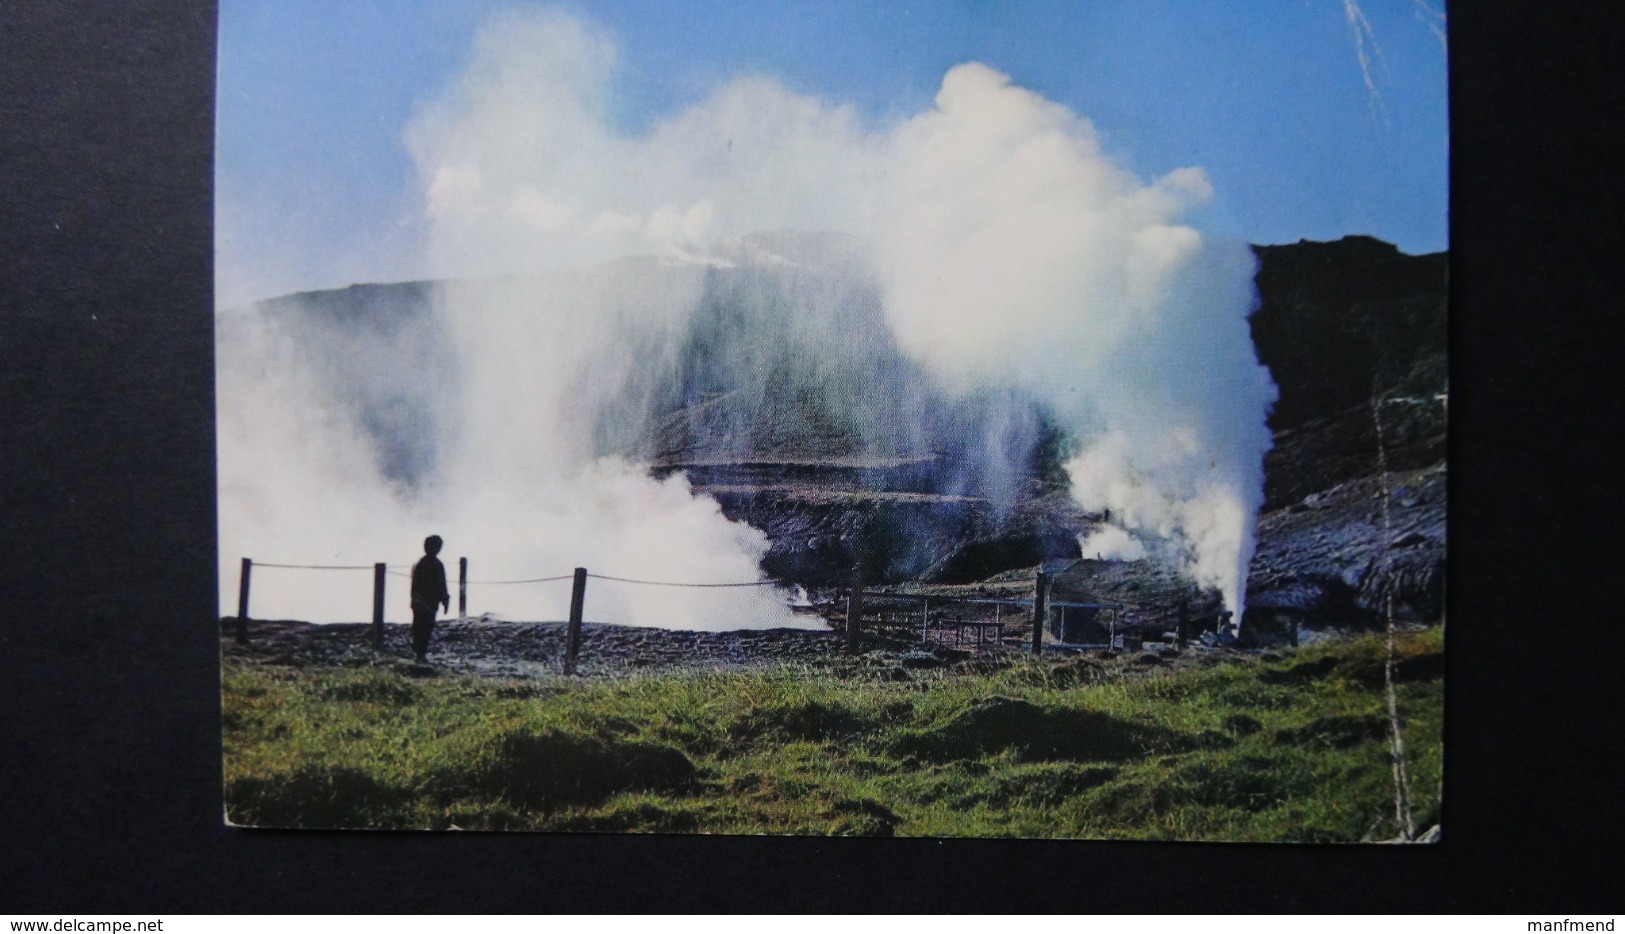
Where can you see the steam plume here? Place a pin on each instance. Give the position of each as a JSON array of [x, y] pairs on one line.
[[1008, 253], [1015, 251]]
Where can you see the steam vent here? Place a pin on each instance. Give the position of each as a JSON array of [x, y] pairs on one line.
[[785, 399]]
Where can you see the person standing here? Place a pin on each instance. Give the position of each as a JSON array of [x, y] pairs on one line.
[[428, 589]]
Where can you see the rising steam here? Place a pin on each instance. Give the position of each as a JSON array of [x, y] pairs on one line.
[[1007, 251], [1015, 251]]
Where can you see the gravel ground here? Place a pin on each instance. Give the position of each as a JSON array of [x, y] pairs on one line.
[[490, 648], [524, 650]]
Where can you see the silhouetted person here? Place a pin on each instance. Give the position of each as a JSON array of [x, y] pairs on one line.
[[428, 589]]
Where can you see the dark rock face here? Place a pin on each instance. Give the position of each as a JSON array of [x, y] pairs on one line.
[[822, 521], [789, 402], [1335, 319], [1337, 558], [1354, 334]]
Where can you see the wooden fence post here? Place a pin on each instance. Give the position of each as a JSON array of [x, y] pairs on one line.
[[572, 641], [462, 588], [378, 571], [854, 608], [1039, 595], [242, 600]]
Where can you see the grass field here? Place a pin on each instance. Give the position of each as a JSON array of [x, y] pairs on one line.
[[1281, 747]]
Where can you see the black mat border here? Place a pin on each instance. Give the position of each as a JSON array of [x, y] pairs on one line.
[[109, 757]]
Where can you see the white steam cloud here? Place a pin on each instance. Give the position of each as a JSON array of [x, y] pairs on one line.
[[1015, 251], [516, 487], [1010, 251], [1112, 544]]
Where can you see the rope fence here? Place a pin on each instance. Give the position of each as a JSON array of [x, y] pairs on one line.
[[1041, 609], [382, 570], [531, 580]]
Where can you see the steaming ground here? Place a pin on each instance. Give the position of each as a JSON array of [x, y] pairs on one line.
[[990, 240]]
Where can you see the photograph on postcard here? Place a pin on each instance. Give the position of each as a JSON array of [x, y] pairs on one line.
[[892, 419]]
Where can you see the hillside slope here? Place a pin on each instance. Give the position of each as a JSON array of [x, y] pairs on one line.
[[787, 400]]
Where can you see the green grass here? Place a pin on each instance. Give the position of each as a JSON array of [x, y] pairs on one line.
[[1290, 749]]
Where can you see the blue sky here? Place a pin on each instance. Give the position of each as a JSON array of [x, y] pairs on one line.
[[316, 188]]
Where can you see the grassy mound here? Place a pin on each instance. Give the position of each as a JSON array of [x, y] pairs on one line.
[[807, 720], [546, 770], [1047, 784], [1030, 732], [1300, 674], [1337, 732], [314, 795], [1289, 746], [372, 688]]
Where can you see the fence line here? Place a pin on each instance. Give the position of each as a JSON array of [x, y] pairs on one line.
[[533, 580], [1042, 606], [381, 569], [530, 580]]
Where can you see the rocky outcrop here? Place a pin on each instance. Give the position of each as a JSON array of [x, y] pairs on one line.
[[1339, 558], [1354, 334]]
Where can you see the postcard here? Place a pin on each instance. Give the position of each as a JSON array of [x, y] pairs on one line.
[[903, 419]]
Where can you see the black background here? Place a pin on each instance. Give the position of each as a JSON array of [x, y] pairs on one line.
[[110, 755]]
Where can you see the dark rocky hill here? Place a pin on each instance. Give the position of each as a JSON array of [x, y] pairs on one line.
[[1354, 530], [377, 348], [789, 403]]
